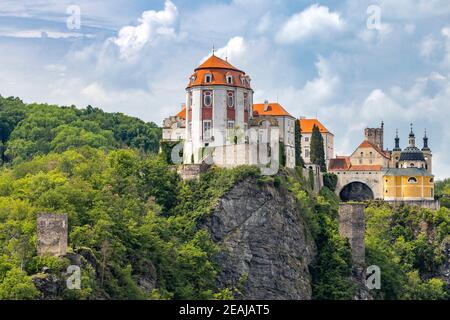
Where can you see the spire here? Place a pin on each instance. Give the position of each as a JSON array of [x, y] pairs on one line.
[[425, 142], [214, 50], [397, 142], [412, 138]]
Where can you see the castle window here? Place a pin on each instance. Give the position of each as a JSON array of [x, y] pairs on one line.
[[207, 98], [230, 99], [208, 78], [431, 180], [245, 100], [306, 153], [230, 79], [411, 165], [412, 180], [206, 130], [230, 125]]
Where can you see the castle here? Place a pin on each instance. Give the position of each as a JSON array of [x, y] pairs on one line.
[[220, 124], [397, 176]]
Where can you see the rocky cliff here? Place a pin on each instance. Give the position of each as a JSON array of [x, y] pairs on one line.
[[265, 247]]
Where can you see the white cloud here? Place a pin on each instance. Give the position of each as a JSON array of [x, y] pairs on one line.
[[42, 33], [234, 50], [379, 106], [428, 46], [152, 25], [313, 21]]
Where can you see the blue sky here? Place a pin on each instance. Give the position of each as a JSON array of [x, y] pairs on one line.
[[338, 60]]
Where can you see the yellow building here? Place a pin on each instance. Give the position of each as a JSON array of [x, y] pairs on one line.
[[411, 179], [409, 184]]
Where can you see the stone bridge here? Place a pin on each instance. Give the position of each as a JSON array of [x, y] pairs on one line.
[[360, 185]]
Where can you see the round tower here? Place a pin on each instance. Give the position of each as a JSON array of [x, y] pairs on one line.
[[219, 101]]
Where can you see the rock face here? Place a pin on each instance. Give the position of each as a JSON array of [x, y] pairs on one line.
[[265, 246]]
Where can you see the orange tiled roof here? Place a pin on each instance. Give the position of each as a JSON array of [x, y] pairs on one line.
[[344, 164], [367, 144], [274, 109], [365, 168], [182, 113], [219, 69], [339, 163], [216, 62], [306, 125]]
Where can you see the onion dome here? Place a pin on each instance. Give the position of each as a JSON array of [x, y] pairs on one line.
[[425, 142], [397, 143], [412, 153]]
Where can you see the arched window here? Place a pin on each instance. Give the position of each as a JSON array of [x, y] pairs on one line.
[[207, 98], [230, 99], [208, 78], [412, 180], [229, 79], [411, 165]]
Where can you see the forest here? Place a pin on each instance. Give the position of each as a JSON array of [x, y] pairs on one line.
[[140, 225]]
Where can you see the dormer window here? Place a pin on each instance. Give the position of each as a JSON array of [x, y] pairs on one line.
[[229, 79], [193, 79], [208, 78]]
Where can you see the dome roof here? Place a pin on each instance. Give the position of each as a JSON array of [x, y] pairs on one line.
[[412, 154], [214, 62], [219, 70]]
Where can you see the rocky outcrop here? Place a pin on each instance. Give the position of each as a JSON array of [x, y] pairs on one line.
[[265, 247], [49, 285]]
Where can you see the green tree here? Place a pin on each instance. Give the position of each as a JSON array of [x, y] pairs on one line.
[[317, 149], [16, 285], [298, 146]]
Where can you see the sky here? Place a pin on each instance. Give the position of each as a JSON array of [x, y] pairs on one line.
[[351, 63]]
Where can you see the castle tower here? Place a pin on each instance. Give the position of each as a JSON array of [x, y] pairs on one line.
[[395, 158], [427, 153], [375, 136], [412, 157], [219, 100]]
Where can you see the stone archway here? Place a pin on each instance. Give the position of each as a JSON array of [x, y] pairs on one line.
[[356, 191]]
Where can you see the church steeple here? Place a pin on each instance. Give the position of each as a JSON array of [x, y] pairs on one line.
[[425, 142], [412, 138], [397, 142]]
